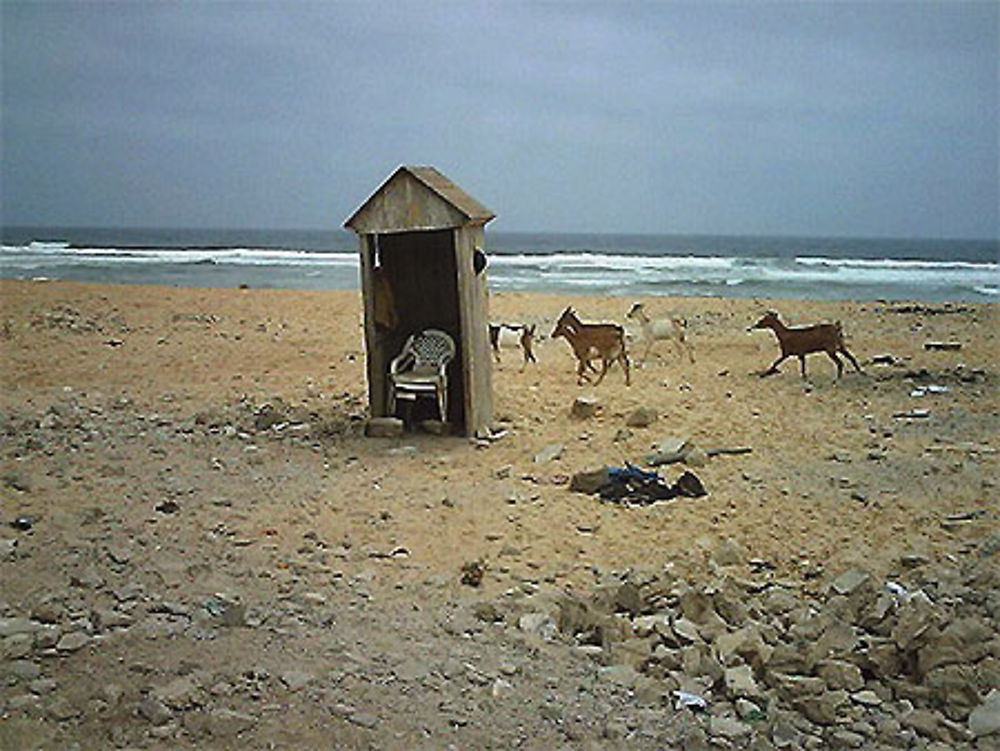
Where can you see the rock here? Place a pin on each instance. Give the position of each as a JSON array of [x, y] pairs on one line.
[[748, 710], [60, 710], [840, 674], [584, 407], [384, 427], [823, 709], [365, 719], [849, 581], [695, 457], [550, 453], [436, 427], [8, 547], [740, 682], [915, 618], [622, 675], [538, 624], [913, 559], [589, 481], [21, 670], [791, 687], [729, 553], [88, 578], [743, 644], [412, 669], [227, 612], [180, 693], [16, 646], [686, 630], [628, 598], [728, 727], [295, 680], [985, 719], [227, 723], [155, 711], [926, 722], [643, 417], [838, 639], [866, 698], [73, 641], [12, 626], [846, 739]]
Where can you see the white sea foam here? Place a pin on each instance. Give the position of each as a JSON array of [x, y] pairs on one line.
[[890, 263], [589, 272], [36, 252], [590, 261]]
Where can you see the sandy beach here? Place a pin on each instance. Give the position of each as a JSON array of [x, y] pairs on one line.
[[201, 548]]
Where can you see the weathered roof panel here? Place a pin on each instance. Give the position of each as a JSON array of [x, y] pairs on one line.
[[468, 207]]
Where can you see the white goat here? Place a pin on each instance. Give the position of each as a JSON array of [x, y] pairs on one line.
[[671, 329]]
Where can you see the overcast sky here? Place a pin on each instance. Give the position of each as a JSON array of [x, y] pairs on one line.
[[822, 118]]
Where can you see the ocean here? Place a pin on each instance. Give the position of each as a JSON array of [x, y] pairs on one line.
[[925, 270]]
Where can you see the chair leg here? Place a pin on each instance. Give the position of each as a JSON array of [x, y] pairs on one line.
[[443, 404], [391, 408]]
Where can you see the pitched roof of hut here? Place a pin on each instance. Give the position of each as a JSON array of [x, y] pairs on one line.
[[468, 207]]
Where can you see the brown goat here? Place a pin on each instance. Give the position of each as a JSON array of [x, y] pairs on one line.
[[823, 337], [591, 340]]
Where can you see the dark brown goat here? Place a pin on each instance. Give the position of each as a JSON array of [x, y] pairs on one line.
[[592, 340], [823, 337]]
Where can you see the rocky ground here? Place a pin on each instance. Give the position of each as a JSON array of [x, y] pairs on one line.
[[186, 568]]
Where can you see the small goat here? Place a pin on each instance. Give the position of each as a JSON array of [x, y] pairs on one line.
[[526, 339], [823, 337], [591, 340], [669, 329]]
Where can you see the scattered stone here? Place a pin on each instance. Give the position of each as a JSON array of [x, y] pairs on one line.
[[584, 407], [384, 427], [155, 711], [73, 641], [642, 417], [589, 481], [550, 453], [295, 680], [728, 727], [539, 624], [849, 581]]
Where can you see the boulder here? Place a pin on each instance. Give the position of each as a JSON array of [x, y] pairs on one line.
[[985, 719]]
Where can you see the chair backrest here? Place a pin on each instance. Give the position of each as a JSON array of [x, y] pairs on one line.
[[432, 347]]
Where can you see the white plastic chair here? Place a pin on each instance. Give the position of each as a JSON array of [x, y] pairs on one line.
[[420, 369]]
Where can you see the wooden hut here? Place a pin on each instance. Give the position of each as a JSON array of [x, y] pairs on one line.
[[421, 240]]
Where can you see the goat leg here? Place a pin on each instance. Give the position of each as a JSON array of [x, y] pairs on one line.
[[850, 357], [837, 361], [802, 365], [604, 371], [774, 367]]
